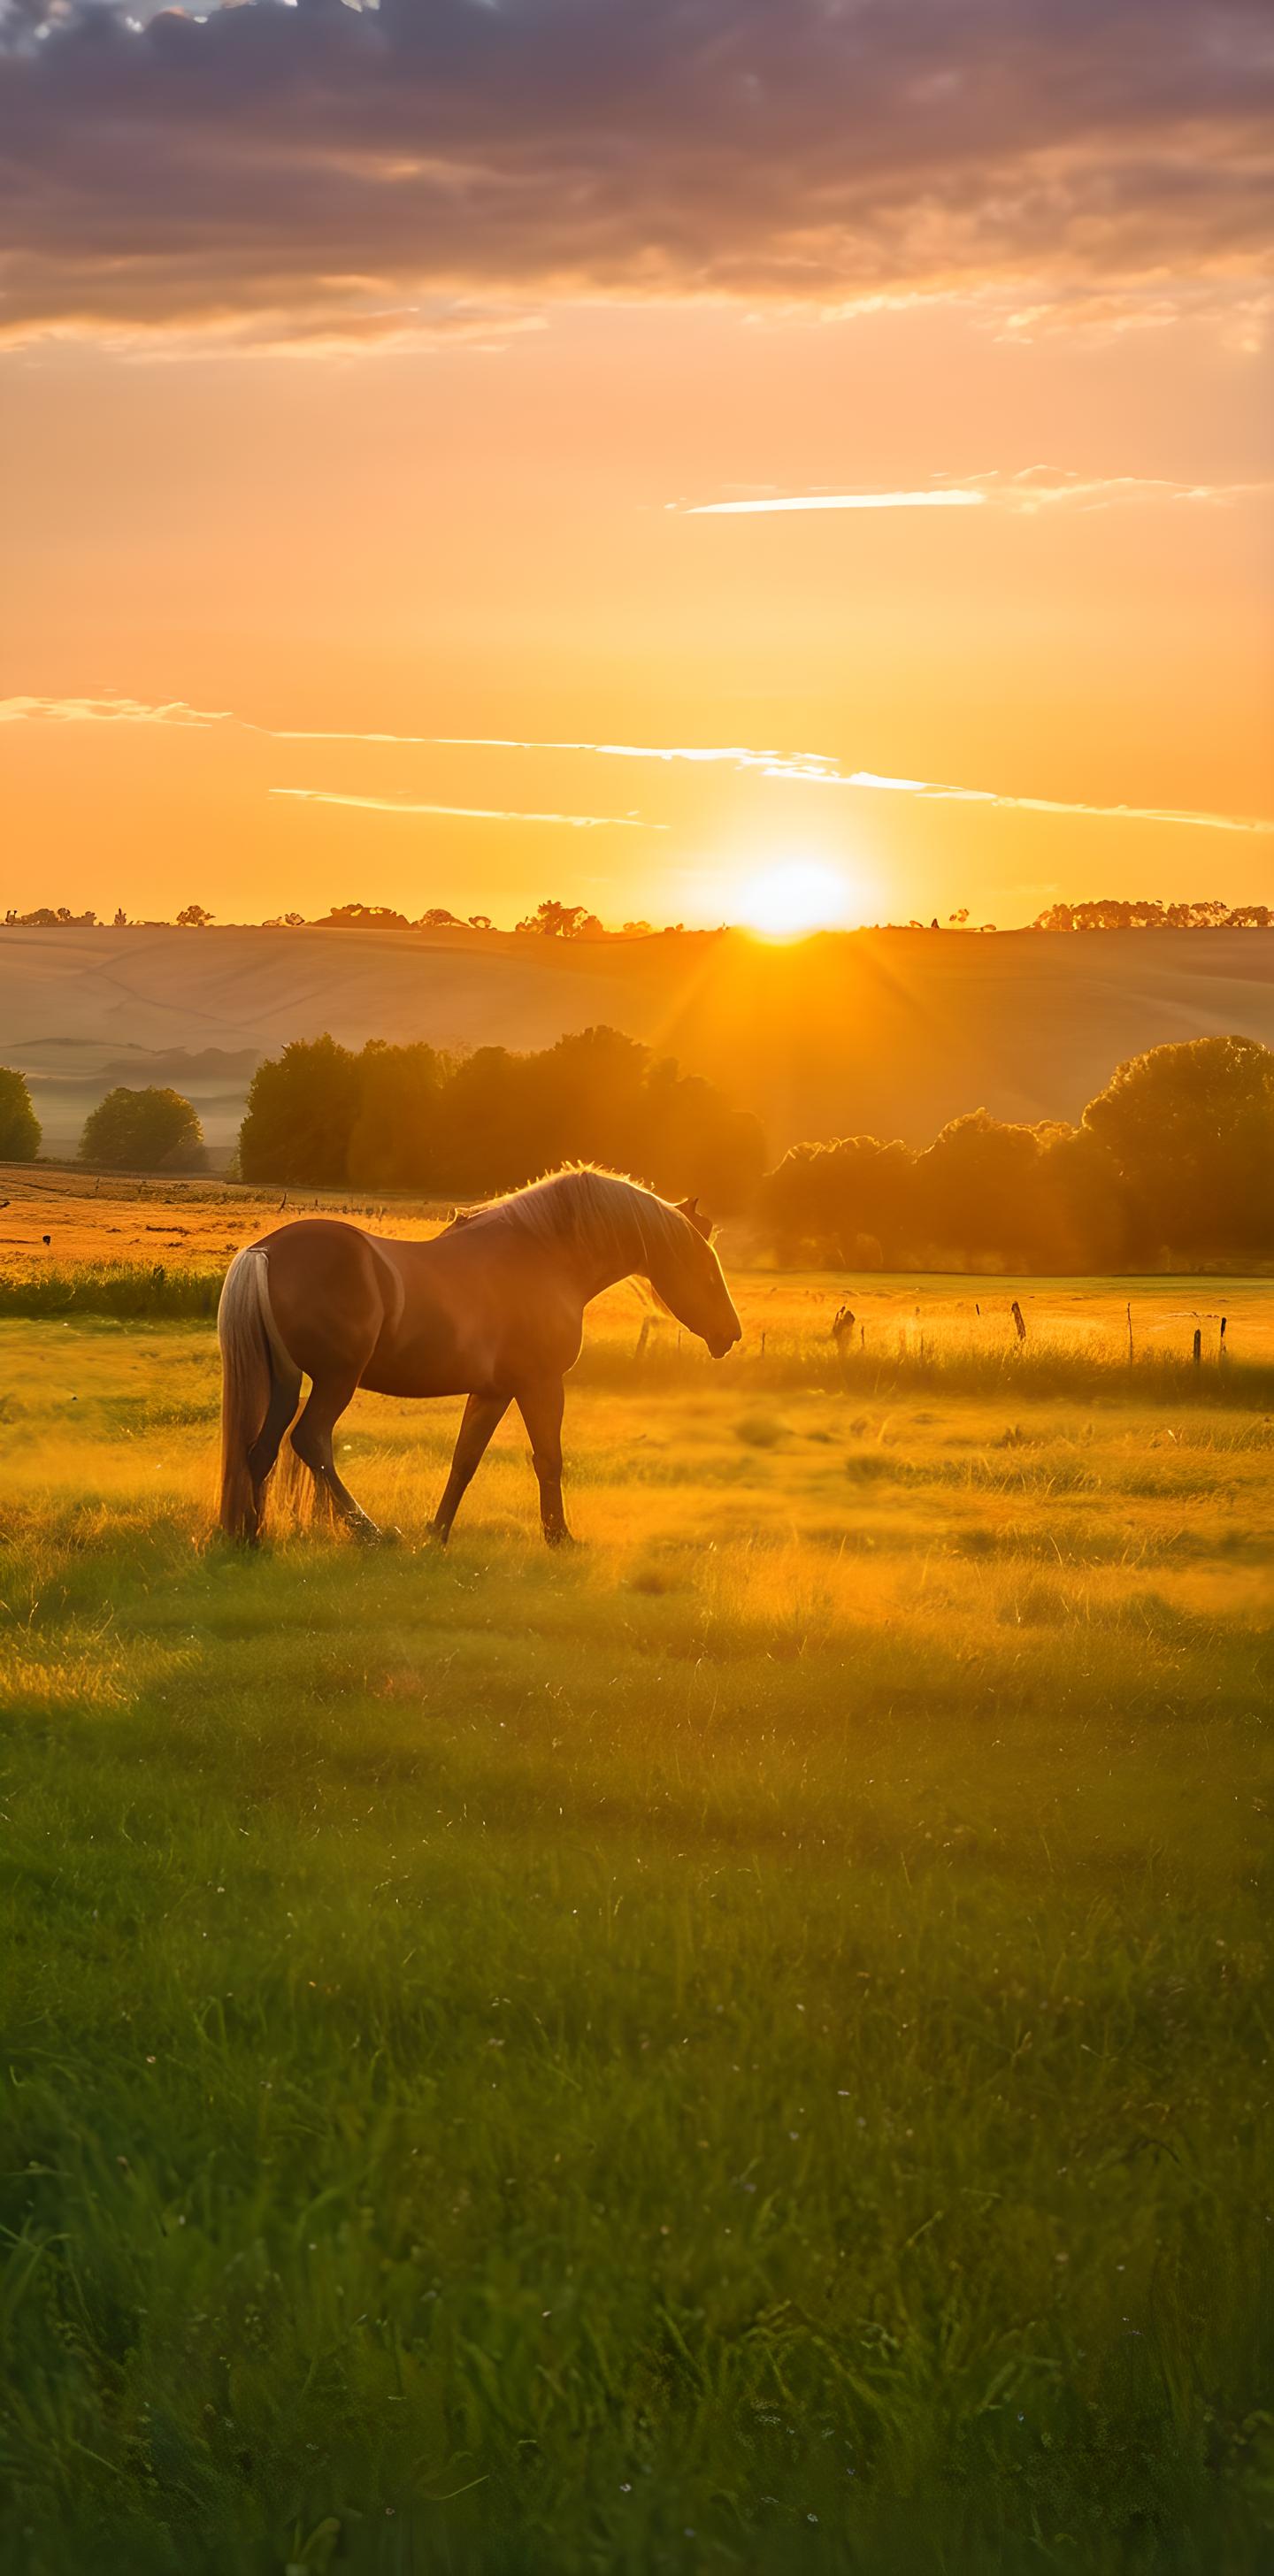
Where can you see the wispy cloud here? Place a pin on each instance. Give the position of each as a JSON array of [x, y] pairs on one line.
[[111, 711], [937, 792], [818, 769], [1027, 493], [803, 768], [945, 498], [469, 813]]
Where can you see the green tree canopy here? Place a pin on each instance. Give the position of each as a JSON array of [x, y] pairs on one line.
[[1190, 1129], [300, 1115], [406, 1117], [19, 1126], [155, 1130]]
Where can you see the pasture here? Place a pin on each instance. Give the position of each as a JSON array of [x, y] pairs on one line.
[[743, 2045]]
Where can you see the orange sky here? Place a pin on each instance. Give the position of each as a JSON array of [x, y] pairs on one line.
[[500, 534]]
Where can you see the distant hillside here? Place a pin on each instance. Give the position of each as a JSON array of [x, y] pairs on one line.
[[886, 1032]]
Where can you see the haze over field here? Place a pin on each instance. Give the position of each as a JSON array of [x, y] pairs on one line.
[[890, 1033]]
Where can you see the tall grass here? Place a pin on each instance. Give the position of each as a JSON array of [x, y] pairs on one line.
[[743, 2046], [931, 1352], [129, 1290]]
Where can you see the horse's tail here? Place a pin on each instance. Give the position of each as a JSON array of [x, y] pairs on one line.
[[253, 1365]]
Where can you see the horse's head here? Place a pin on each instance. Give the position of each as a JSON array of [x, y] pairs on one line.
[[689, 1279]]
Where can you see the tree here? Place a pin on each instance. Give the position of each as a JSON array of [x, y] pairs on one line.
[[977, 1189], [1111, 912], [1190, 1129], [1081, 1203], [492, 1128], [395, 1139], [47, 916], [193, 916], [300, 1115], [689, 1140], [562, 921], [142, 1131], [822, 1200], [407, 1117], [363, 916], [121, 919], [19, 1126]]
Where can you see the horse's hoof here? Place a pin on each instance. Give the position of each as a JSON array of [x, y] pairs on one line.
[[435, 1534], [560, 1538]]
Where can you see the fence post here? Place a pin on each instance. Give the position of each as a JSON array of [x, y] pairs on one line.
[[1128, 1312], [1198, 1346], [1020, 1321], [1221, 1349]]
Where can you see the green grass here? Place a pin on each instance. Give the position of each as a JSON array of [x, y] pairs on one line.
[[158, 1291], [744, 2046]]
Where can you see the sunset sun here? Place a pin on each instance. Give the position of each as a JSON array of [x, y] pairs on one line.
[[793, 897]]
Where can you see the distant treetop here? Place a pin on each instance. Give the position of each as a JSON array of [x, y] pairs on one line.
[[553, 919], [1108, 913]]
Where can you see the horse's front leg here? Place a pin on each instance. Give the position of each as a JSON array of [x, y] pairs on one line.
[[482, 1415], [541, 1408]]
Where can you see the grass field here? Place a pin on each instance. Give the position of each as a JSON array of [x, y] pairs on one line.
[[743, 2046]]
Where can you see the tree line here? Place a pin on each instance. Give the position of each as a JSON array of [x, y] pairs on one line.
[[410, 1117], [553, 919], [549, 920], [1108, 913], [1175, 1155]]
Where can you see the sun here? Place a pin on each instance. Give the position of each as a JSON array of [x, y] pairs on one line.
[[793, 898]]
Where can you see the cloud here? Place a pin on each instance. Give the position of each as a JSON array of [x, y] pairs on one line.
[[469, 813], [936, 792], [110, 711], [818, 769], [939, 499], [326, 175], [1034, 489], [804, 768]]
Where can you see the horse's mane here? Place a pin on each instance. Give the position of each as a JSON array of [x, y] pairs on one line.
[[606, 1209]]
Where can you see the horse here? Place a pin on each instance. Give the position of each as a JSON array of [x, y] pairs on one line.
[[492, 1309]]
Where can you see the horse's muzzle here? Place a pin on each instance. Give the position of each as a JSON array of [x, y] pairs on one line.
[[719, 1344]]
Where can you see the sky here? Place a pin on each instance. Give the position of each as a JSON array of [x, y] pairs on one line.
[[468, 451]]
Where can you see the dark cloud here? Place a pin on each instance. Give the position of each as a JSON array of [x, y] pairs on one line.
[[315, 171]]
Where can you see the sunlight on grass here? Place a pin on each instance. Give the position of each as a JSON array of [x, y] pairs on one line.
[[752, 2028]]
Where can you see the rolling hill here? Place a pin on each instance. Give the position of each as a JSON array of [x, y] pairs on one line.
[[885, 1032]]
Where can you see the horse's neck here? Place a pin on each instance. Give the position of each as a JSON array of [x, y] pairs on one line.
[[620, 1253]]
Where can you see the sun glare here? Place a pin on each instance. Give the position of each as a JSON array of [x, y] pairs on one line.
[[799, 895]]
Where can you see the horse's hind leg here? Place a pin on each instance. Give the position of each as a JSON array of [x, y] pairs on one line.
[[284, 1394], [312, 1441]]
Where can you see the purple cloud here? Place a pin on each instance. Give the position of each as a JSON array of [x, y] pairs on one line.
[[318, 172]]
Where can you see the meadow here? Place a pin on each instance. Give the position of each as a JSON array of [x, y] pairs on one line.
[[742, 2045]]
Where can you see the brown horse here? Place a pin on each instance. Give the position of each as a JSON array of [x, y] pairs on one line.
[[493, 1308]]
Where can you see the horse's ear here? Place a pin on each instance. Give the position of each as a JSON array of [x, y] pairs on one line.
[[689, 1208]]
